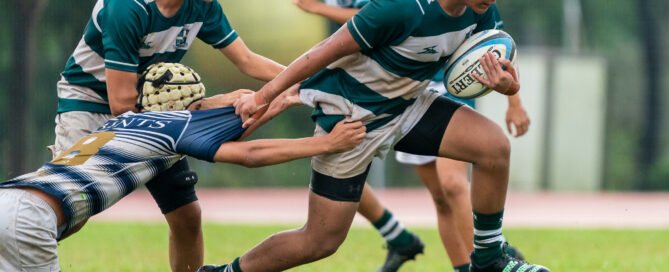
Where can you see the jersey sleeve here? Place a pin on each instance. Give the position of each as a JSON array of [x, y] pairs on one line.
[[122, 25], [216, 30], [360, 3], [491, 19], [207, 130], [384, 22]]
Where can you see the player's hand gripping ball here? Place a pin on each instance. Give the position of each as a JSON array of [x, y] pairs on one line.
[[168, 87]]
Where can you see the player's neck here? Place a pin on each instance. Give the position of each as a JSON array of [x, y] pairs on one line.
[[454, 8], [169, 8]]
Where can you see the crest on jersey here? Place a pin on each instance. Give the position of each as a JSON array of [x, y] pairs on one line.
[[182, 38]]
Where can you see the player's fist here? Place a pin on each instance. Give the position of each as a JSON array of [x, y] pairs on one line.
[[346, 135], [247, 105]]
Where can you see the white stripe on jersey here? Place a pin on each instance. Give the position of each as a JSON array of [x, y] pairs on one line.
[[143, 133], [172, 115], [94, 16], [369, 72], [137, 2], [360, 34], [333, 104], [89, 61], [163, 41], [414, 48], [225, 38], [140, 143], [421, 7], [122, 63]]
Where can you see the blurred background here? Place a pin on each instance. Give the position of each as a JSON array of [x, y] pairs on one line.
[[594, 80]]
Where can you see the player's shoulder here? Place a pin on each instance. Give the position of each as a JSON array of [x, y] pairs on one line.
[[404, 11], [119, 9]]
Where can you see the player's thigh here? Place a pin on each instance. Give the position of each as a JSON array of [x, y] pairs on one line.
[[333, 203], [470, 137], [29, 232]]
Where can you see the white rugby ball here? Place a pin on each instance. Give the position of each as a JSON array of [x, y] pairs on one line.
[[466, 60]]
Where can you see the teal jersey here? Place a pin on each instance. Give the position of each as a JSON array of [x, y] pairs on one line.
[[347, 3], [404, 44], [128, 35]]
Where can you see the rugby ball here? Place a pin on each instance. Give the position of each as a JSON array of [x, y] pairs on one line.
[[466, 60]]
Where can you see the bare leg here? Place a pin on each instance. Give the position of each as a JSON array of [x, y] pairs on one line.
[[326, 228], [446, 180], [370, 206], [473, 138], [186, 243]]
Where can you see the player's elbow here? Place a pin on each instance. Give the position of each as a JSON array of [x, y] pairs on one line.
[[120, 109]]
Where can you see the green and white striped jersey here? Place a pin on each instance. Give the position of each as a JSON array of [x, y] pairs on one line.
[[404, 44], [128, 35]]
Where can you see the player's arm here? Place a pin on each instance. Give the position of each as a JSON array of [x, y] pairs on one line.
[[327, 51], [517, 117], [250, 63], [337, 14], [121, 91], [378, 24], [264, 152]]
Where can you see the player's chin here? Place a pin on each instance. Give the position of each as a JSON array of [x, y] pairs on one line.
[[481, 8]]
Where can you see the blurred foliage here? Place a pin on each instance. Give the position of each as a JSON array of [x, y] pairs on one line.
[[280, 31]]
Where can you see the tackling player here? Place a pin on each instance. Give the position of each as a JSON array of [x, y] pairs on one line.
[[122, 38], [376, 69], [40, 208], [446, 179]]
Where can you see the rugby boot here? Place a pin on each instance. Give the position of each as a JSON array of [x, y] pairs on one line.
[[505, 263], [399, 255], [514, 252], [213, 268]]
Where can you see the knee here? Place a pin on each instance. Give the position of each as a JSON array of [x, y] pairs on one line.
[[498, 154], [441, 204], [322, 246], [186, 220], [454, 185]]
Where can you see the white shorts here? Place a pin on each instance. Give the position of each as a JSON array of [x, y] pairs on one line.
[[71, 126], [28, 233], [377, 143], [413, 159]]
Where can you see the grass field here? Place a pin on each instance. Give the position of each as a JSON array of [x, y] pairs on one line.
[[143, 247]]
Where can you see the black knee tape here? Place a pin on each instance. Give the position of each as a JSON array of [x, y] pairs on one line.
[[425, 137], [174, 187], [348, 189]]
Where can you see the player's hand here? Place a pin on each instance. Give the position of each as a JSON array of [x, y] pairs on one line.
[[516, 117], [306, 5], [502, 81], [346, 135], [229, 98], [247, 105]]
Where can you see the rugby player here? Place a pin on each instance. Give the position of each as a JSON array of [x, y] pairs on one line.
[[121, 39], [376, 69], [446, 179], [40, 208]]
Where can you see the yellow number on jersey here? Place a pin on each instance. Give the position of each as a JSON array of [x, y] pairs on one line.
[[84, 149]]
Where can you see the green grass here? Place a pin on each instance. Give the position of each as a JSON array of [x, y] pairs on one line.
[[143, 247]]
